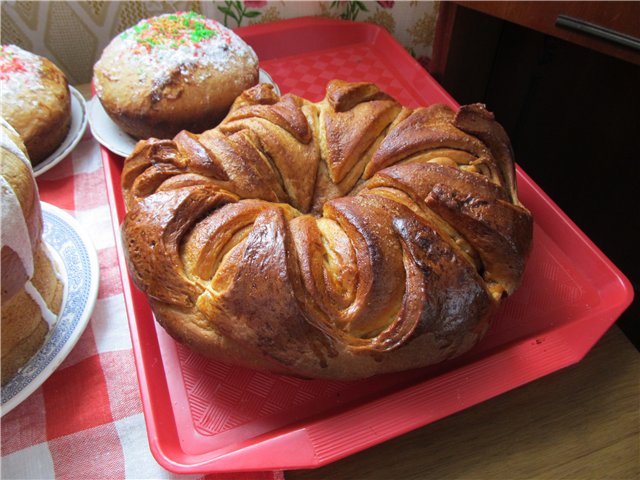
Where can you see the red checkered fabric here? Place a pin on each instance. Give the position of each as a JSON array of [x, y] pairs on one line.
[[86, 420]]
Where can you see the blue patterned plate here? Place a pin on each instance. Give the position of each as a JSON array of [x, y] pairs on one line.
[[77, 261]]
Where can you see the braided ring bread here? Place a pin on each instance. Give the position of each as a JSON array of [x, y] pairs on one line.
[[338, 239]]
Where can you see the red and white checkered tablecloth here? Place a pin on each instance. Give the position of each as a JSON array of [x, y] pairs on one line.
[[86, 420]]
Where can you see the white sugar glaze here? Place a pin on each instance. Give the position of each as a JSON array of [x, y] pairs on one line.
[[154, 54], [14, 232], [8, 144], [6, 125], [16, 82], [47, 314]]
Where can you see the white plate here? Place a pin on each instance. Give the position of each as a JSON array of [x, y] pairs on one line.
[[111, 136], [264, 77], [76, 130], [105, 131], [77, 262]]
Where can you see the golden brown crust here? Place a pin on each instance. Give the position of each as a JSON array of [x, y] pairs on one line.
[[194, 108], [404, 271], [24, 348], [24, 328]]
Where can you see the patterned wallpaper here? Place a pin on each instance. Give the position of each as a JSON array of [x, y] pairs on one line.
[[73, 33]]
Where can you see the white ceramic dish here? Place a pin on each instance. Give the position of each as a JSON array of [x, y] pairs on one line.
[[266, 78], [77, 263], [105, 131], [76, 131], [112, 137]]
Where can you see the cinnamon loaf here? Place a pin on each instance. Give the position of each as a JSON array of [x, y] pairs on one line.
[[338, 239]]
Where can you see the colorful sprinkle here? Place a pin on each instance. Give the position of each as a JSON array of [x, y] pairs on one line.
[[178, 42], [10, 63], [174, 30], [19, 73]]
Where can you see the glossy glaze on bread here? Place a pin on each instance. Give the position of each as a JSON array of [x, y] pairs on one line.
[[338, 239]]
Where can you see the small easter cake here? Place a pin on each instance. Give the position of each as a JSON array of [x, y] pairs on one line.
[[35, 100], [173, 72]]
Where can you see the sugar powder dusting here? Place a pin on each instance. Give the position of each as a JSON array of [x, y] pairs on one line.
[[159, 46], [19, 73]]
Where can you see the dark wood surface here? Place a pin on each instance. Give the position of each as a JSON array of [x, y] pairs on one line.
[[582, 422], [621, 17]]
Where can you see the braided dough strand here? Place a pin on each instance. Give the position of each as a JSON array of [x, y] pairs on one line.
[[338, 239]]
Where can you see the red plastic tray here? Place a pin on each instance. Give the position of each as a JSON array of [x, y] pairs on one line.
[[204, 416]]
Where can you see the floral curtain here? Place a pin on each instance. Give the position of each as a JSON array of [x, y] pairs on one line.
[[74, 33]]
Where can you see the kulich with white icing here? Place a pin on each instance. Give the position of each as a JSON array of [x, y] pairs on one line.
[[173, 72], [31, 288], [35, 100]]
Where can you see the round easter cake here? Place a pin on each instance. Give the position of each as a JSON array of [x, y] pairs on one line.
[[35, 100], [173, 72]]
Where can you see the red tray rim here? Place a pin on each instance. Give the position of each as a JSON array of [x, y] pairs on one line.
[[307, 435]]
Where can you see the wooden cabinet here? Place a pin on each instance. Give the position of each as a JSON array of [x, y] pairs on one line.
[[612, 28]]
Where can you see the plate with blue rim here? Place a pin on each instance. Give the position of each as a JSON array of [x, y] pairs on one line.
[[76, 261]]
